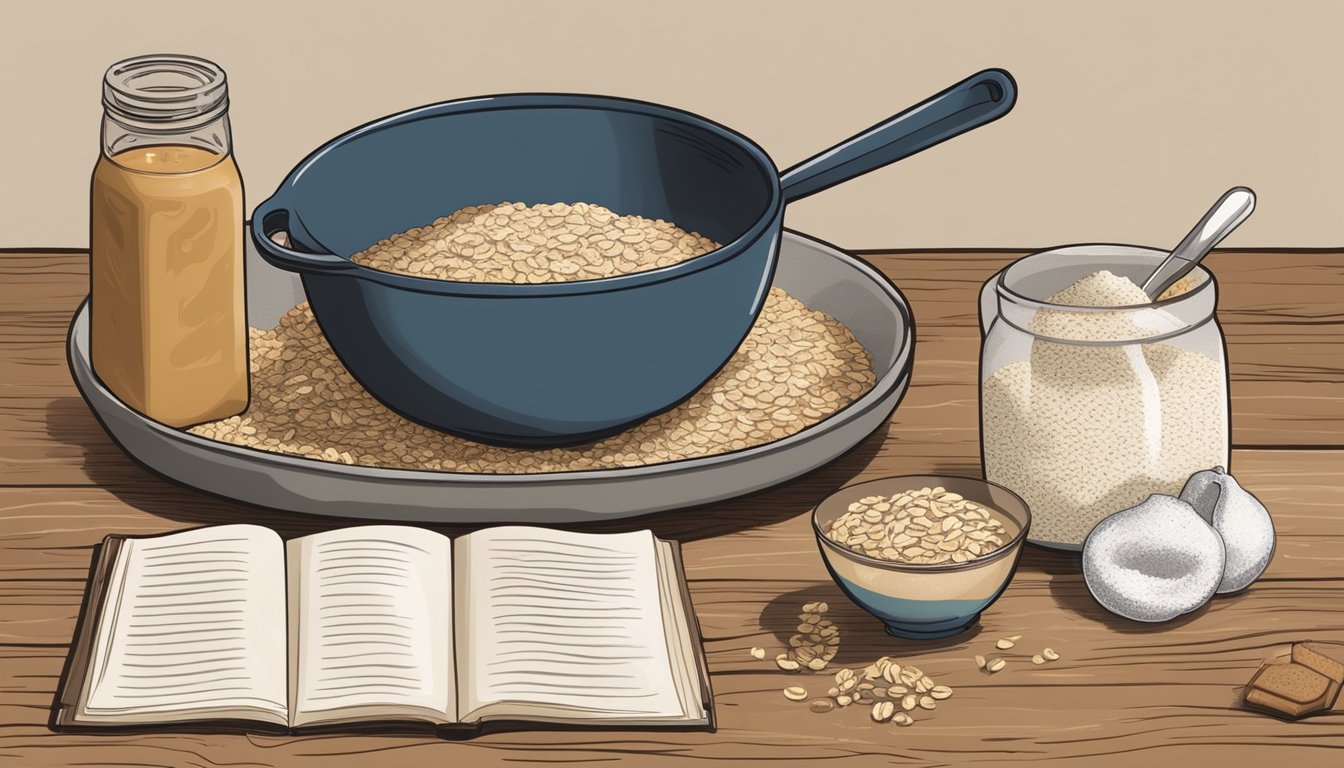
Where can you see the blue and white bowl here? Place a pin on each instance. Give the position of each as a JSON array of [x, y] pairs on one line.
[[924, 602]]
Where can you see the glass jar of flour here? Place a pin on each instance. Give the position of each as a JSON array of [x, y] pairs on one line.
[[1092, 397]]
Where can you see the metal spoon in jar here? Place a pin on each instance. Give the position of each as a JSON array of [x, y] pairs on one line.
[[1232, 208]]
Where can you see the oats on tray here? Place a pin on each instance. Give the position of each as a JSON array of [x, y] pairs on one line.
[[796, 368]]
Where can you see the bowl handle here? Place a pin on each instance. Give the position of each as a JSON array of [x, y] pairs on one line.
[[272, 219], [979, 99]]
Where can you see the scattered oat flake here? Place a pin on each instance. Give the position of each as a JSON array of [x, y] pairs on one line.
[[1004, 644], [1038, 659], [795, 693], [868, 686], [996, 665], [757, 653], [1050, 654], [980, 661]]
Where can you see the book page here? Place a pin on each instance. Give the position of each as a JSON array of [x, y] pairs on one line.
[[562, 625], [372, 625], [193, 627], [681, 639]]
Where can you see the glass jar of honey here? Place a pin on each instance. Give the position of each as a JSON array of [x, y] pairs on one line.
[[168, 323]]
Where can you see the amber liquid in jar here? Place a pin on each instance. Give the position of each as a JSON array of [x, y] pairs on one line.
[[167, 314]]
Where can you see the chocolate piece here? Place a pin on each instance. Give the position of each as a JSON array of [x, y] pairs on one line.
[[1320, 657], [1308, 681], [1276, 704]]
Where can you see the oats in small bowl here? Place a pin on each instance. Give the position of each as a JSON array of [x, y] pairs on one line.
[[926, 554]]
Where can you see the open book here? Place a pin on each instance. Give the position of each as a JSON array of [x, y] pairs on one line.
[[386, 623]]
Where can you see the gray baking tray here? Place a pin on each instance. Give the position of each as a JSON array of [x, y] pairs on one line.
[[820, 275]]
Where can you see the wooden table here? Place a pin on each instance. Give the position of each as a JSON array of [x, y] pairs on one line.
[[1121, 694]]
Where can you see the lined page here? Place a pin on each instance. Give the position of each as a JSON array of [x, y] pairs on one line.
[[374, 625], [193, 621], [571, 622]]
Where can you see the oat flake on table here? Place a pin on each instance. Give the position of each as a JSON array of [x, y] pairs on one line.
[[794, 369]]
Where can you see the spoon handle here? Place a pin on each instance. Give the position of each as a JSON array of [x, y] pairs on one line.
[[979, 99], [1226, 215]]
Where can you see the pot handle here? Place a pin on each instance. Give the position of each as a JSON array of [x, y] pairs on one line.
[[273, 217], [979, 99]]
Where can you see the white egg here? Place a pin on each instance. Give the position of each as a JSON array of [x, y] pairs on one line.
[[1239, 518], [1154, 561]]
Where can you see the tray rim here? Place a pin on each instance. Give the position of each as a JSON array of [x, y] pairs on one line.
[[894, 378]]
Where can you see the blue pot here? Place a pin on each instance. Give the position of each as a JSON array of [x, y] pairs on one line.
[[559, 363]]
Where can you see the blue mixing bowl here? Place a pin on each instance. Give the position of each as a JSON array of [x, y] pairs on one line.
[[559, 363]]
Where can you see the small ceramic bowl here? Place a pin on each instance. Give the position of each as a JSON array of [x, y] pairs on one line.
[[924, 602]]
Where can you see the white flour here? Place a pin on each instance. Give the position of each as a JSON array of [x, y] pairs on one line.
[[1081, 432]]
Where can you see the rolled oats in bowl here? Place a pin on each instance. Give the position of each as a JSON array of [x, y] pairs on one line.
[[545, 243], [925, 554], [920, 526]]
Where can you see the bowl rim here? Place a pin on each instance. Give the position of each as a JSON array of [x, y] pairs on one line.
[[1014, 544], [765, 222], [1000, 278]]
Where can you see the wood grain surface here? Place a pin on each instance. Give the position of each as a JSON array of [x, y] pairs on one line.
[[1121, 694]]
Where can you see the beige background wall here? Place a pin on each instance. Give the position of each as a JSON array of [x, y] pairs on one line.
[[1134, 114]]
